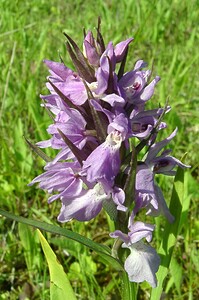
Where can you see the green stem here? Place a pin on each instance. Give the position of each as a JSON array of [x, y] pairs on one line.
[[129, 289]]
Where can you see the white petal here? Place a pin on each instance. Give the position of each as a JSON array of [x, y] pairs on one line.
[[142, 263]]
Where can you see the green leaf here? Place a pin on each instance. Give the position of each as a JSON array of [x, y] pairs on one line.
[[102, 250], [111, 209], [170, 233], [60, 287]]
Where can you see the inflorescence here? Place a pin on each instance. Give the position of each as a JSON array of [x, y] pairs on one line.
[[100, 127]]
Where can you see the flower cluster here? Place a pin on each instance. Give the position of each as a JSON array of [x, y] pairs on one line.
[[100, 125]]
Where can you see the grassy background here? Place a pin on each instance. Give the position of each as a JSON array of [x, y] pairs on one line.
[[166, 34]]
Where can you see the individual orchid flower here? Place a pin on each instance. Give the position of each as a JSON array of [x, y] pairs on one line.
[[121, 48], [61, 177], [91, 49], [106, 71], [67, 82], [105, 74], [107, 167], [88, 204], [73, 125], [164, 163], [144, 122], [134, 85], [148, 194], [84, 207], [143, 261], [104, 162]]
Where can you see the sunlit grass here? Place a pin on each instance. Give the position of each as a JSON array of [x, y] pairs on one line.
[[166, 35]]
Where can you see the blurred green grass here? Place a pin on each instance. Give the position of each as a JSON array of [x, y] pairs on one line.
[[166, 36]]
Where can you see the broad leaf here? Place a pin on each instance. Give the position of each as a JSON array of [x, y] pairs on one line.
[[60, 287]]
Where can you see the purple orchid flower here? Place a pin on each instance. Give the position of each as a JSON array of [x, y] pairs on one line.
[[67, 82], [89, 203], [143, 261], [163, 164], [143, 122], [91, 49], [133, 85], [84, 207], [120, 49], [106, 69], [104, 162], [61, 177], [148, 194], [73, 125], [107, 167]]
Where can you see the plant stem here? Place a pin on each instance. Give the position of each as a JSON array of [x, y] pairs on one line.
[[129, 289]]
